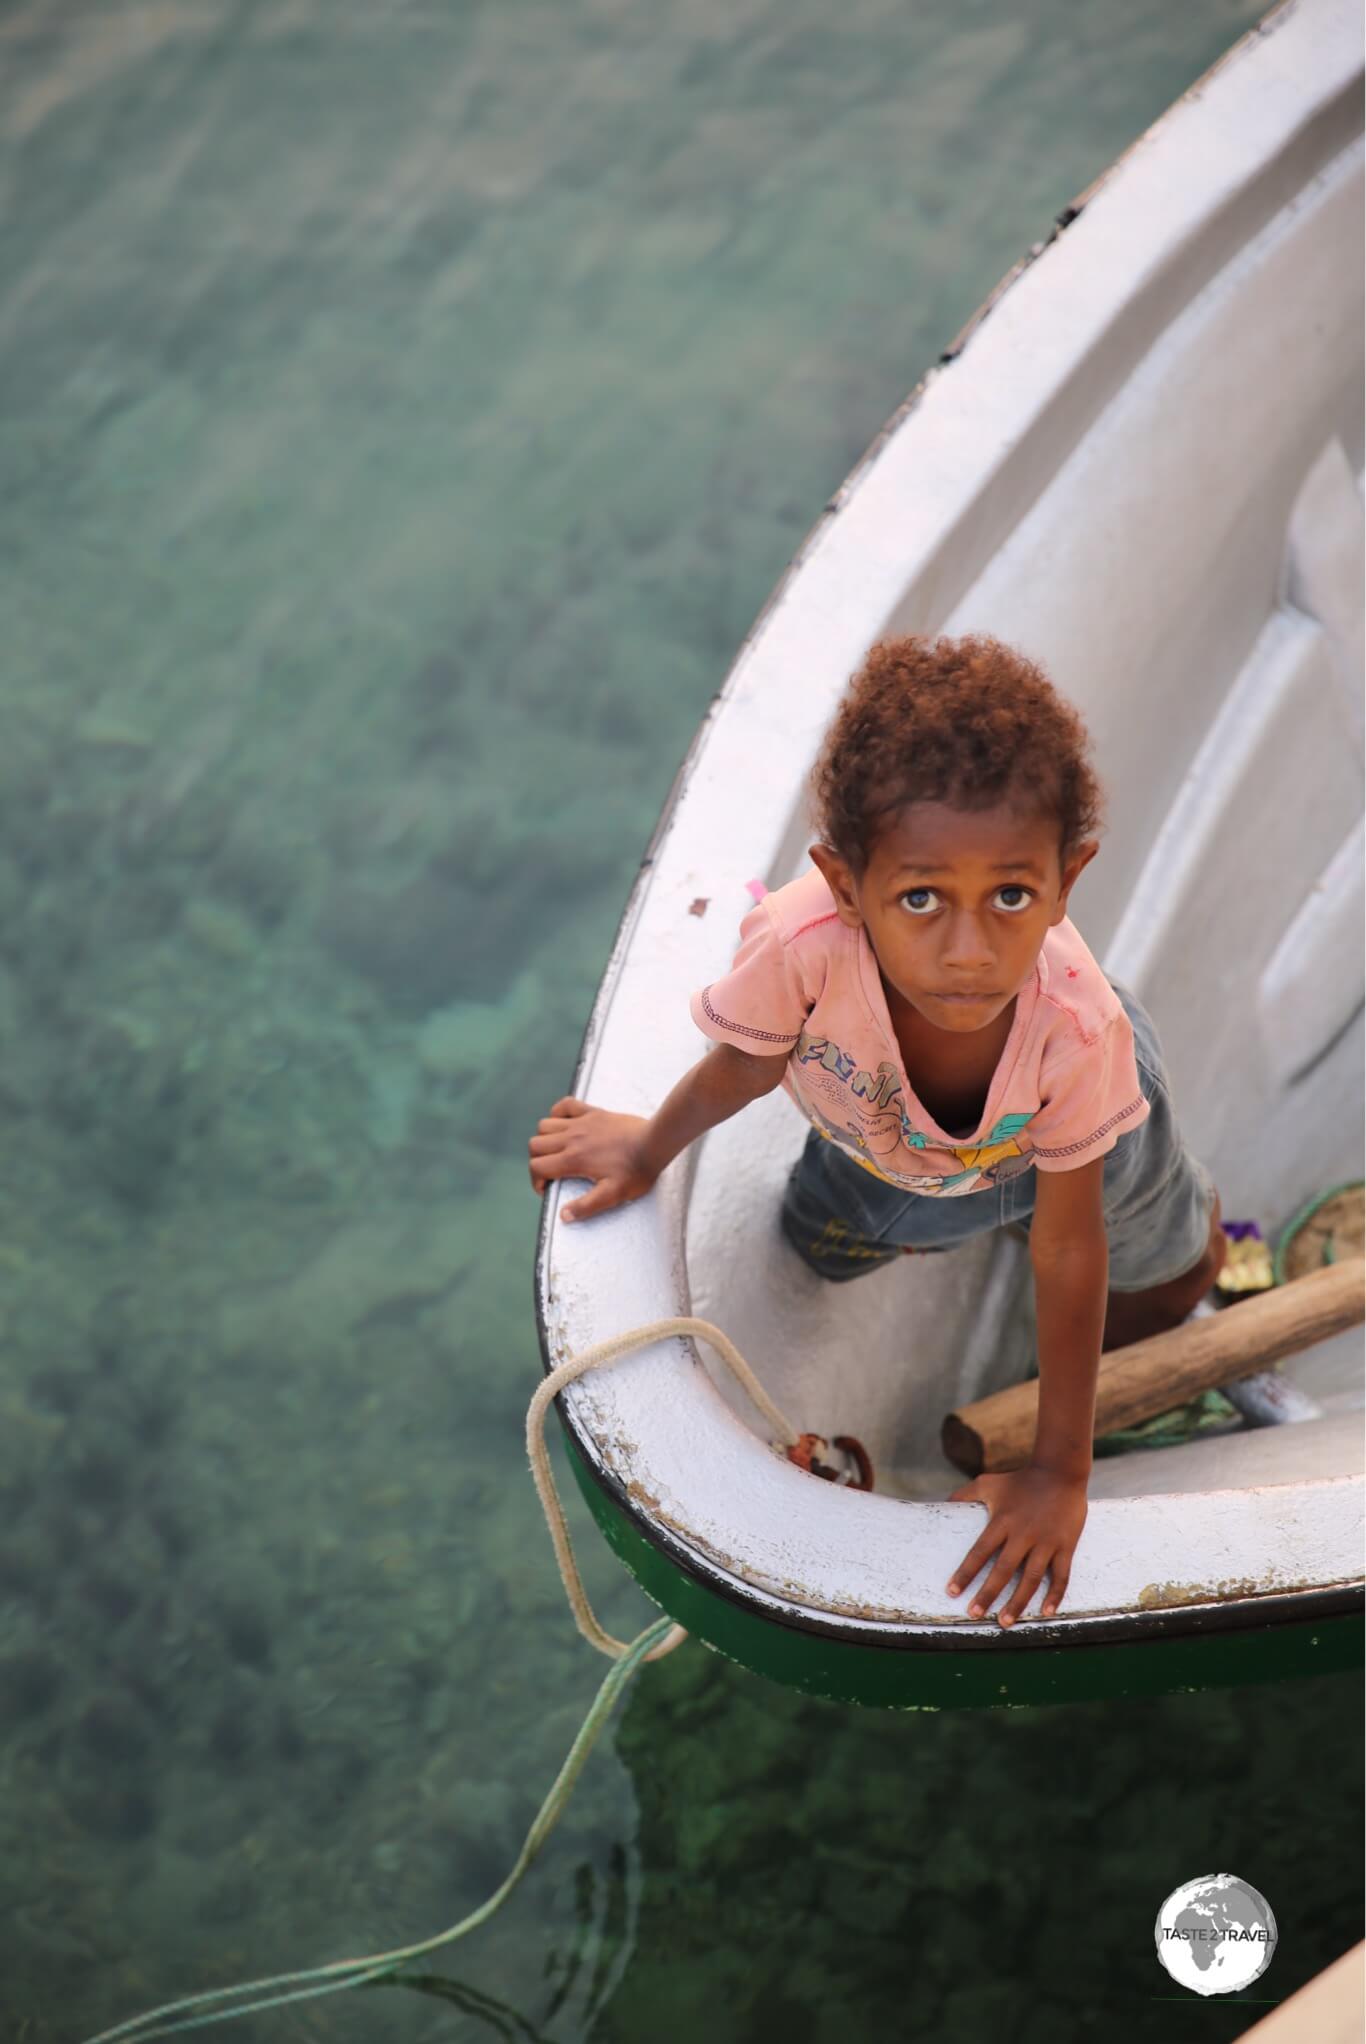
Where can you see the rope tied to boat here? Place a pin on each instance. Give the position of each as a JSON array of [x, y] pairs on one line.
[[805, 1450], [197, 2011]]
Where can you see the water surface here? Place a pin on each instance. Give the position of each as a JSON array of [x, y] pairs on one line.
[[404, 411]]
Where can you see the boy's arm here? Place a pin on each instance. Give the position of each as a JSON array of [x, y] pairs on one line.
[[719, 1085], [623, 1154], [1036, 1514], [1071, 1259]]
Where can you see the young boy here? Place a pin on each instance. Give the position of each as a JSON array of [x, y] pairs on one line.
[[964, 1062]]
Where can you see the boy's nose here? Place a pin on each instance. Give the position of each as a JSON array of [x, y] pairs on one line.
[[966, 948]]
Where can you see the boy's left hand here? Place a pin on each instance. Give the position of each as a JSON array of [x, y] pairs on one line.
[[1034, 1517]]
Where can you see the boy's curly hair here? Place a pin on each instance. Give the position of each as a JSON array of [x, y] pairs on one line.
[[967, 721]]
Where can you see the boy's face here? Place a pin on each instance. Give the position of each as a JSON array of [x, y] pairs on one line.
[[956, 904]]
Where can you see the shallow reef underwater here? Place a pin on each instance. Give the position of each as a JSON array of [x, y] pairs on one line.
[[404, 413]]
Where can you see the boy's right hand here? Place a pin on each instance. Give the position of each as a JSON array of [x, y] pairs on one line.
[[579, 1141]]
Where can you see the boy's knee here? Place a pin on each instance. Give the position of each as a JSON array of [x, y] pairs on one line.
[[1199, 1279]]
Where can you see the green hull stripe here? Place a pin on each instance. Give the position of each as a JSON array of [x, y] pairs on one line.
[[898, 1678]]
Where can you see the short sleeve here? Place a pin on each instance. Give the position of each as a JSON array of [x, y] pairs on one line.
[[1090, 1101], [759, 1005]]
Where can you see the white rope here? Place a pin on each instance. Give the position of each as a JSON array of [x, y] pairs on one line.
[[591, 1359]]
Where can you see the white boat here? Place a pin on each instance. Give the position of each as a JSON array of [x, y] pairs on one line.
[[1140, 462]]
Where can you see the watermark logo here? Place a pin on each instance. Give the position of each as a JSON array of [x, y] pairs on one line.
[[1216, 1934]]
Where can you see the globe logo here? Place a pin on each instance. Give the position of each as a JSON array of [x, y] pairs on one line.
[[1215, 1934]]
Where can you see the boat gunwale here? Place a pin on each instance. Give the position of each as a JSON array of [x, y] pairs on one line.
[[1343, 1597]]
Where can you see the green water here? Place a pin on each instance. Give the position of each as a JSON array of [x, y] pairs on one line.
[[404, 411]]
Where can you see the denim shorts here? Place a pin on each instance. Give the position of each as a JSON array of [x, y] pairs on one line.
[[1158, 1198]]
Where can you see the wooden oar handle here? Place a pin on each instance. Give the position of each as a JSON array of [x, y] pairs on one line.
[[1152, 1376]]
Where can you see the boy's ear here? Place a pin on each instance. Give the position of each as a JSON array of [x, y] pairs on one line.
[[1073, 866], [840, 882]]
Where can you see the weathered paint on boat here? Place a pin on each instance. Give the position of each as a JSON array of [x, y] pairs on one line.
[[1015, 1671], [1141, 466]]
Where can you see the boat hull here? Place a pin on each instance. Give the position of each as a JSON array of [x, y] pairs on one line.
[[1217, 1646]]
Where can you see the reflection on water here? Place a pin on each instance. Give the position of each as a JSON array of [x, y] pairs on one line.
[[404, 411]]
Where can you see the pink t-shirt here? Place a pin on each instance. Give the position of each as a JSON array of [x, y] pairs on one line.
[[1065, 1089]]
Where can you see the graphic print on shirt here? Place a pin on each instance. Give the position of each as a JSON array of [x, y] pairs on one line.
[[883, 1124]]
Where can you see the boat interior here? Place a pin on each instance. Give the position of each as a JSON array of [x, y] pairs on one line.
[[1185, 562]]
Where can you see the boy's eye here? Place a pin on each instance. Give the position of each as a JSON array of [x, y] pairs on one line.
[[919, 900], [923, 901]]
